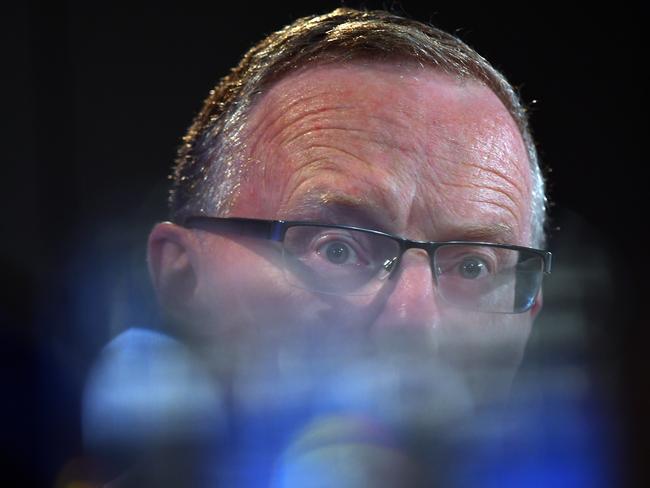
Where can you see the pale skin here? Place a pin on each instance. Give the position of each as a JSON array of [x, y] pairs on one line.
[[401, 149]]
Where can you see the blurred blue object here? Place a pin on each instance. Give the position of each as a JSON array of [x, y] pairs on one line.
[[147, 389], [564, 441]]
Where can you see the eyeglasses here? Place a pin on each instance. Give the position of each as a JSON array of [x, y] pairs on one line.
[[347, 260]]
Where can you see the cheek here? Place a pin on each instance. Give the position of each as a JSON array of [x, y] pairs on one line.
[[239, 287], [485, 351], [242, 289], [476, 340]]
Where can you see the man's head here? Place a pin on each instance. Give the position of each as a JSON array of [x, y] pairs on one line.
[[358, 119]]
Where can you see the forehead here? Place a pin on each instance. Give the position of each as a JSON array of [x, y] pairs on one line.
[[418, 150]]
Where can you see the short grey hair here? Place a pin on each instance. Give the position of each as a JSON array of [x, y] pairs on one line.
[[207, 172]]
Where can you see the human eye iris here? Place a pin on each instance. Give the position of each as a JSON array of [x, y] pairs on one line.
[[338, 252], [472, 267]]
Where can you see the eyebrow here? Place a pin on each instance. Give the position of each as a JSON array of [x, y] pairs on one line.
[[498, 233], [333, 206]]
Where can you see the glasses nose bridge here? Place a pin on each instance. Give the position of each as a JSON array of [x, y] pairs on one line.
[[428, 247]]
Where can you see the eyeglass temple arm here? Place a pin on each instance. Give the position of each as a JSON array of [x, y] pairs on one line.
[[266, 229], [548, 259]]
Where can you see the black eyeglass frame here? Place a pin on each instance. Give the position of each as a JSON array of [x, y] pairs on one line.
[[275, 230]]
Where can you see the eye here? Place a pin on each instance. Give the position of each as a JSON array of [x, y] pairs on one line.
[[471, 268], [338, 252]]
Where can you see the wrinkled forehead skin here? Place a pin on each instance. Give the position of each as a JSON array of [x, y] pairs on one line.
[[423, 154]]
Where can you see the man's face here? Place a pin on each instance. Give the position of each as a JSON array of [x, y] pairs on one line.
[[403, 150]]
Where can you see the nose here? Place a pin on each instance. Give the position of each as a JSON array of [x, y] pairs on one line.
[[411, 300]]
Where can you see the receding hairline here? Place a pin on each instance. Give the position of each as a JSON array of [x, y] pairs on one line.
[[407, 67]]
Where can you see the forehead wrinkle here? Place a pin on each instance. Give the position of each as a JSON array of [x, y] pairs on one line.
[[275, 118], [451, 221], [479, 177], [483, 199], [485, 149], [379, 134], [314, 166], [395, 177], [333, 166], [494, 164], [375, 137], [271, 107], [391, 195], [495, 204], [500, 175], [263, 114], [271, 128], [481, 187], [310, 130], [317, 156], [298, 100]]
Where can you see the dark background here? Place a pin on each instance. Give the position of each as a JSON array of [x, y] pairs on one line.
[[96, 98]]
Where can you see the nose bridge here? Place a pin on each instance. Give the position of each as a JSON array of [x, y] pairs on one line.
[[417, 252], [411, 301], [416, 266]]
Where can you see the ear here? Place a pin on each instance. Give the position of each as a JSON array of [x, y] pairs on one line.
[[171, 255], [537, 306]]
